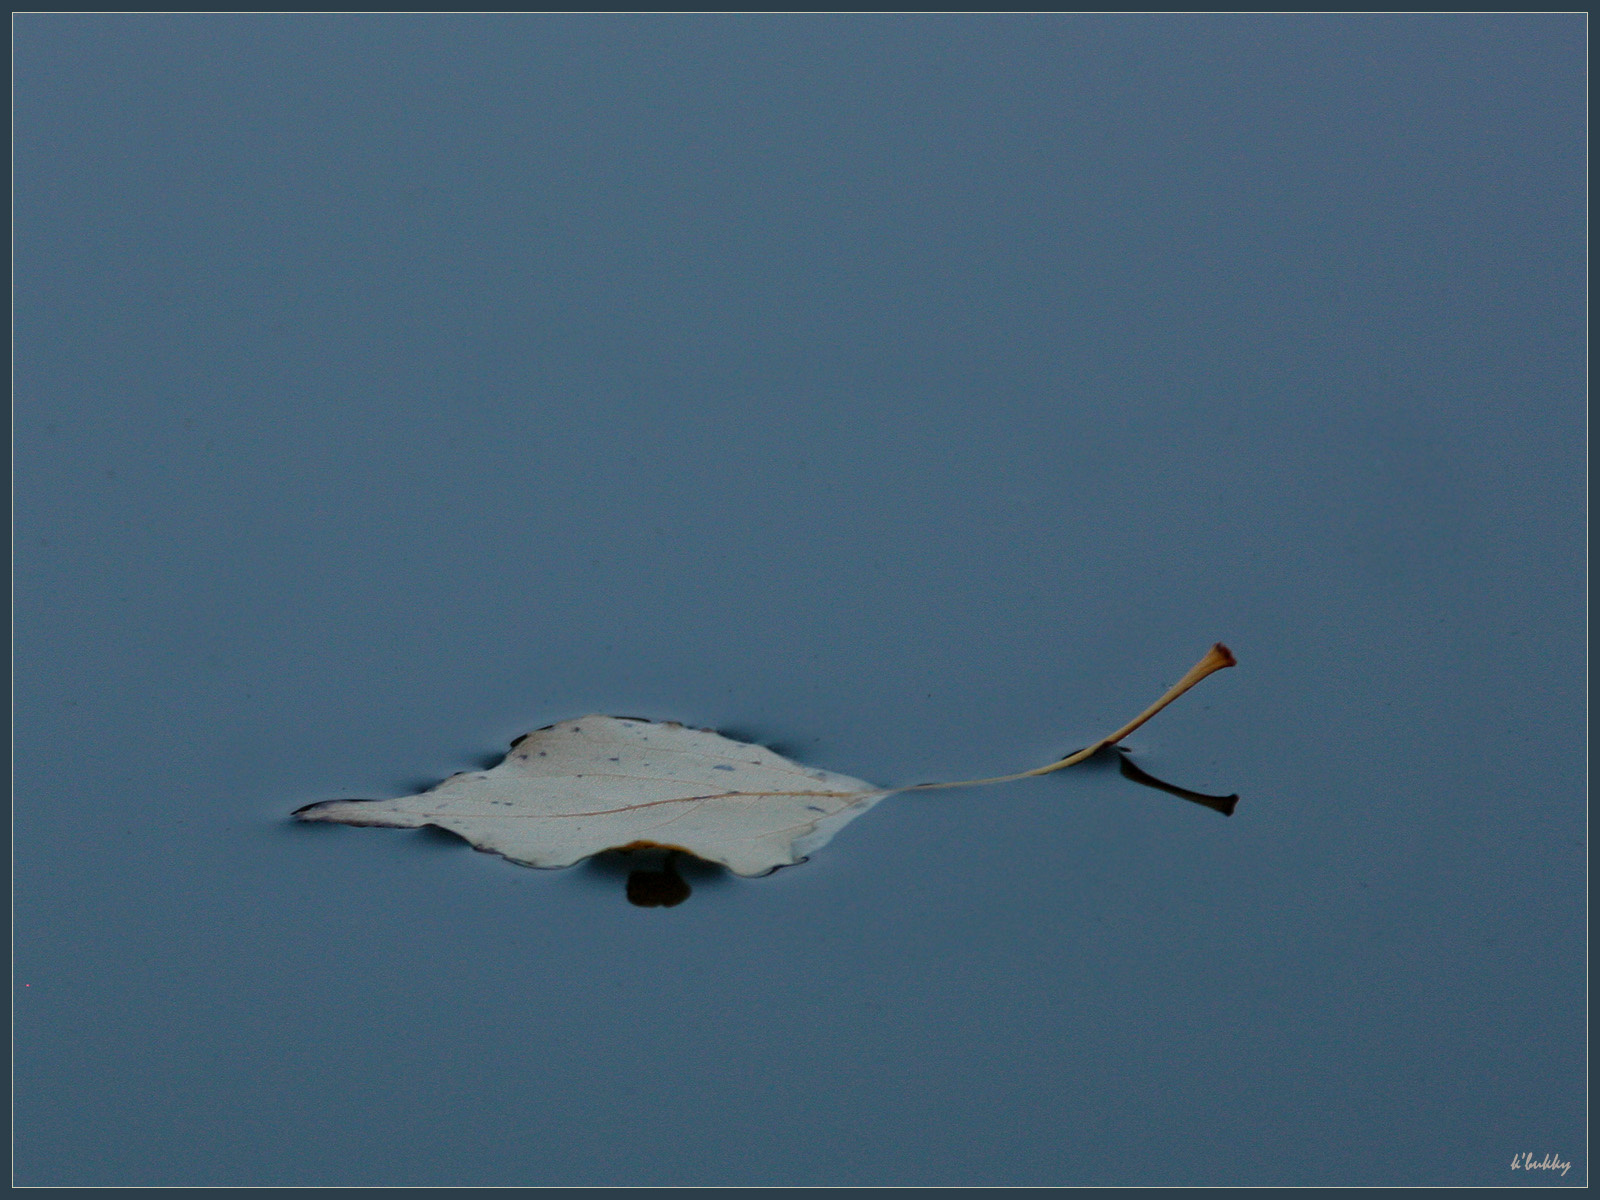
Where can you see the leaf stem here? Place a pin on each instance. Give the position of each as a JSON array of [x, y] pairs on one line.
[[1218, 657]]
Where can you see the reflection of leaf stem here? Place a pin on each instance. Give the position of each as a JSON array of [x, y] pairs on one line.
[[1221, 804], [1216, 659]]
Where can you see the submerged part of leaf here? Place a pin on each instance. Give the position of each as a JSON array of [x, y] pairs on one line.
[[658, 887], [599, 783], [605, 783]]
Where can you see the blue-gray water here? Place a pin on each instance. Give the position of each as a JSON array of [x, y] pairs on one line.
[[919, 394]]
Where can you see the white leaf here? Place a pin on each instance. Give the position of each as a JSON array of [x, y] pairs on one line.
[[598, 783], [603, 783]]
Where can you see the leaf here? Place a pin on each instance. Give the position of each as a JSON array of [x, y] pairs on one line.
[[598, 783], [607, 783]]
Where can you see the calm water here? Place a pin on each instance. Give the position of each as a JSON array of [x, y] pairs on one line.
[[919, 395]]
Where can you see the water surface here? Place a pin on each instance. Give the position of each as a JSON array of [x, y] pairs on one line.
[[918, 395]]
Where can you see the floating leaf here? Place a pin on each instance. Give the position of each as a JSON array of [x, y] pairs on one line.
[[598, 783]]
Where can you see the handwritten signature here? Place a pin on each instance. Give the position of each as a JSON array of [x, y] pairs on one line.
[[1550, 1162]]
